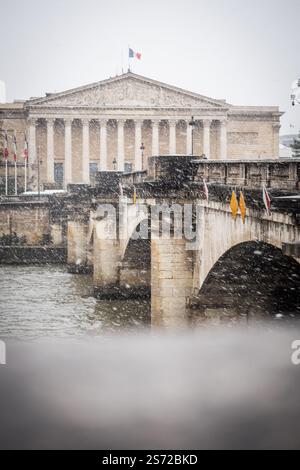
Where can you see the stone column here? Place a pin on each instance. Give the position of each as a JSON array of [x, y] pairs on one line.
[[32, 140], [155, 137], [172, 136], [138, 142], [206, 137], [86, 151], [120, 156], [68, 152], [32, 154], [189, 131], [223, 139], [50, 150], [103, 144]]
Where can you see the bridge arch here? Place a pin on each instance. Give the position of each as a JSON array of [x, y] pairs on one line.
[[133, 217], [135, 267], [218, 233], [252, 277]]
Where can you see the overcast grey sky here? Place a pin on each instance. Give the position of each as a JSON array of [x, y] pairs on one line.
[[246, 52]]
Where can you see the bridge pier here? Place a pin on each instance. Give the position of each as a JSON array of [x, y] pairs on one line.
[[130, 276], [107, 260], [171, 282], [56, 233], [116, 278], [77, 247]]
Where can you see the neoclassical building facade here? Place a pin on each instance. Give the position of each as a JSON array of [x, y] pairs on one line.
[[116, 124]]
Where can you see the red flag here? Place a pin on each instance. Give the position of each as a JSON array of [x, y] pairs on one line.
[[5, 151], [267, 200], [138, 55], [15, 147], [25, 148]]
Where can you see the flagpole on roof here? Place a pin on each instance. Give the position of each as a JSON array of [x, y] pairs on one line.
[[128, 58]]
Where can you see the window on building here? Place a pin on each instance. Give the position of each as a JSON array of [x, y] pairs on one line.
[[59, 173], [93, 171], [128, 167]]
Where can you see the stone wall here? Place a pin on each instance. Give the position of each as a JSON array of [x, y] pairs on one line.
[[252, 138], [31, 221], [32, 255]]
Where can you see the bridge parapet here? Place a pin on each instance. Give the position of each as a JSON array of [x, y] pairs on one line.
[[280, 174], [184, 173]]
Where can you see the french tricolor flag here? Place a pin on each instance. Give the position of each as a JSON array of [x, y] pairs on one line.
[[15, 147], [133, 54], [25, 148], [267, 200], [5, 150], [205, 190]]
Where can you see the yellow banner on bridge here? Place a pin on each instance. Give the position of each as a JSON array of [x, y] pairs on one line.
[[234, 206], [243, 207]]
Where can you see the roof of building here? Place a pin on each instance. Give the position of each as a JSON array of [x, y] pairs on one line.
[[176, 96]]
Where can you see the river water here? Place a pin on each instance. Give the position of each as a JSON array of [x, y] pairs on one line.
[[41, 301], [73, 382], [47, 301]]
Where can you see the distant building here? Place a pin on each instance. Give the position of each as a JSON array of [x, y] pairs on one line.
[[102, 126], [287, 140]]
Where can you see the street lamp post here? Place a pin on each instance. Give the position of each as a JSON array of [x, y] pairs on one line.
[[193, 124]]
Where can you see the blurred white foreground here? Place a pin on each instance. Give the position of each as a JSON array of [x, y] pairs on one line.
[[211, 388]]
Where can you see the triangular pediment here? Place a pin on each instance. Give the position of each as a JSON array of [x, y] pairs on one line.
[[128, 90]]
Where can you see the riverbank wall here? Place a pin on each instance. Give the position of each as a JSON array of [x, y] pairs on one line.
[[33, 255]]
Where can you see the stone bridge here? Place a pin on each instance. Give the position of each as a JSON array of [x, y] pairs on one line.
[[155, 234]]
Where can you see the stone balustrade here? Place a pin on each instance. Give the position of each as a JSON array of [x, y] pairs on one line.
[[281, 174]]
